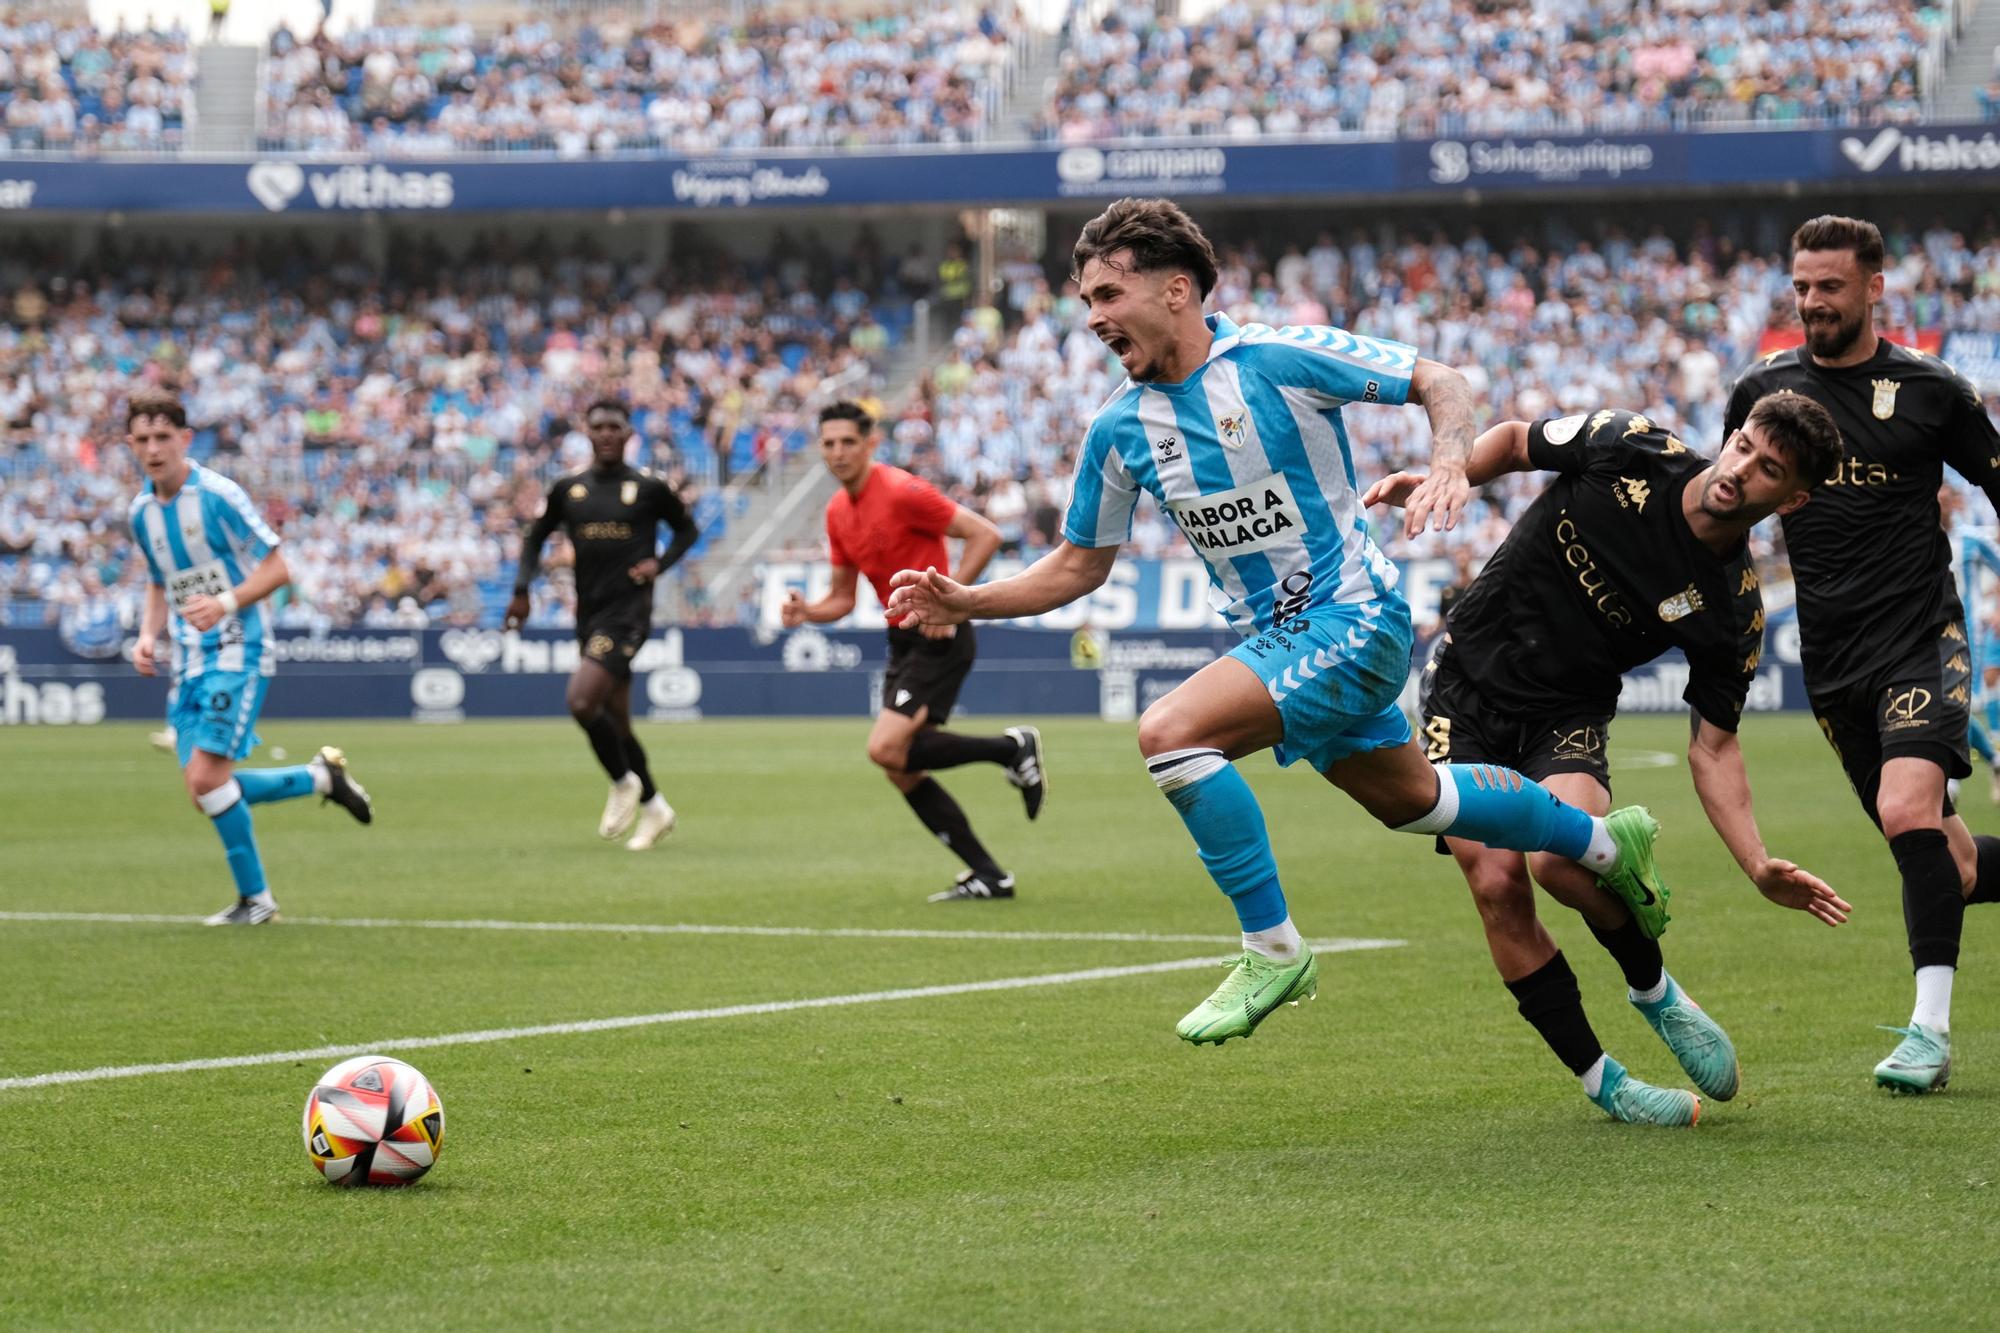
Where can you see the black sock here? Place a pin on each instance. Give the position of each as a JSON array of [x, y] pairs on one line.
[[1986, 889], [942, 816], [635, 761], [933, 748], [1637, 957], [1549, 1000], [1933, 898], [608, 744]]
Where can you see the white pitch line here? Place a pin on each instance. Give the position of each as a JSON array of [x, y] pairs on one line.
[[655, 928], [629, 1021]]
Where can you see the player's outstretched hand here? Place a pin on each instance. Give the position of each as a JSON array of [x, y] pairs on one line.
[[926, 597], [1393, 490], [645, 571], [143, 650], [1788, 886], [793, 613], [1442, 493], [517, 612]]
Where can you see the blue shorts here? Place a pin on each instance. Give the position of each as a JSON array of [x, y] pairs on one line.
[[217, 712], [1335, 675]]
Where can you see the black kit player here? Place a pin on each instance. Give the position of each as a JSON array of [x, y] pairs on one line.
[[883, 519], [611, 513], [1636, 548], [1882, 634]]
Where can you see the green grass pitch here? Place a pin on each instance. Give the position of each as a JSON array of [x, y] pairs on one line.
[[1403, 1152]]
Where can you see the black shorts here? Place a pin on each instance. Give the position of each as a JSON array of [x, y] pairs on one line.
[[927, 673], [1459, 726], [611, 636], [1916, 706]]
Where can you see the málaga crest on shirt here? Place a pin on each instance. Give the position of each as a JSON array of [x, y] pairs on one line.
[[1231, 429]]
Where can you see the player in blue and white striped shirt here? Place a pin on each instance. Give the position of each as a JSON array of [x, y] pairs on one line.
[[1236, 432], [213, 561]]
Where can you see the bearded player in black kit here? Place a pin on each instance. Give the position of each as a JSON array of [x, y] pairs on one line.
[[611, 512], [1882, 634]]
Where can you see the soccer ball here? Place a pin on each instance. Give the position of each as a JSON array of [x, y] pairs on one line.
[[373, 1120]]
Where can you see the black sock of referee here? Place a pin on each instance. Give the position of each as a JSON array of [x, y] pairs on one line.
[[1549, 1000], [942, 817], [1637, 957], [1933, 897], [1986, 889], [608, 745], [635, 762], [933, 748]]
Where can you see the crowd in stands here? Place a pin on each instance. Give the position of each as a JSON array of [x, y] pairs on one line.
[[1459, 67], [66, 85], [401, 420], [902, 76], [1542, 326]]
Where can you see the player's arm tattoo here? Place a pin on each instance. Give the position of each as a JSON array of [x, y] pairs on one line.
[[1447, 398]]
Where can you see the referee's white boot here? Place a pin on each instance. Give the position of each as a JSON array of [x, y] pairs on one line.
[[620, 806]]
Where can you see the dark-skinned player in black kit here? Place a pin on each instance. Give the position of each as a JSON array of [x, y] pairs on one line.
[[611, 512]]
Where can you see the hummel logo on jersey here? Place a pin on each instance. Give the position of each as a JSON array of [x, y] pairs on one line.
[[1634, 493], [1168, 448], [902, 697]]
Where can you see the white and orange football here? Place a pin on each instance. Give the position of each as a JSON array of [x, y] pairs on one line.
[[373, 1120]]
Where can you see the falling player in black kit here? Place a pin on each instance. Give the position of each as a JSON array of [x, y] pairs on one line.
[[1636, 548], [1882, 634], [611, 512]]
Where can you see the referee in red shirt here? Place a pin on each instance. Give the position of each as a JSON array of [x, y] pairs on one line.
[[883, 519]]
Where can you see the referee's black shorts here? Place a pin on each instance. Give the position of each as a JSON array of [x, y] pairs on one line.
[[927, 673]]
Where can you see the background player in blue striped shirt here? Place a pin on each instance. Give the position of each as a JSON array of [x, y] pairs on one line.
[[1236, 432], [213, 561]]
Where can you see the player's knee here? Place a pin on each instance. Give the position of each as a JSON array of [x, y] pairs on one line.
[[1550, 870], [889, 753], [1166, 726], [585, 708], [1505, 899], [1905, 812]]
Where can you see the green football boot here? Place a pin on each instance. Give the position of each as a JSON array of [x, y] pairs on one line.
[[1696, 1040], [1626, 1099], [1921, 1062], [1254, 987], [1637, 880]]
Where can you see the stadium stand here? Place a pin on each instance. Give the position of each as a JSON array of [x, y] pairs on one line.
[[1456, 67], [65, 85], [897, 76], [403, 417]]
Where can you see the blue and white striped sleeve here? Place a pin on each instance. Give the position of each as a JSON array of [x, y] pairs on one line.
[[245, 528], [139, 539], [1102, 494], [1332, 364]]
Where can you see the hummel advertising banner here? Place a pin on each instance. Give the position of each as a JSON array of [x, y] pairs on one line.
[[282, 186]]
